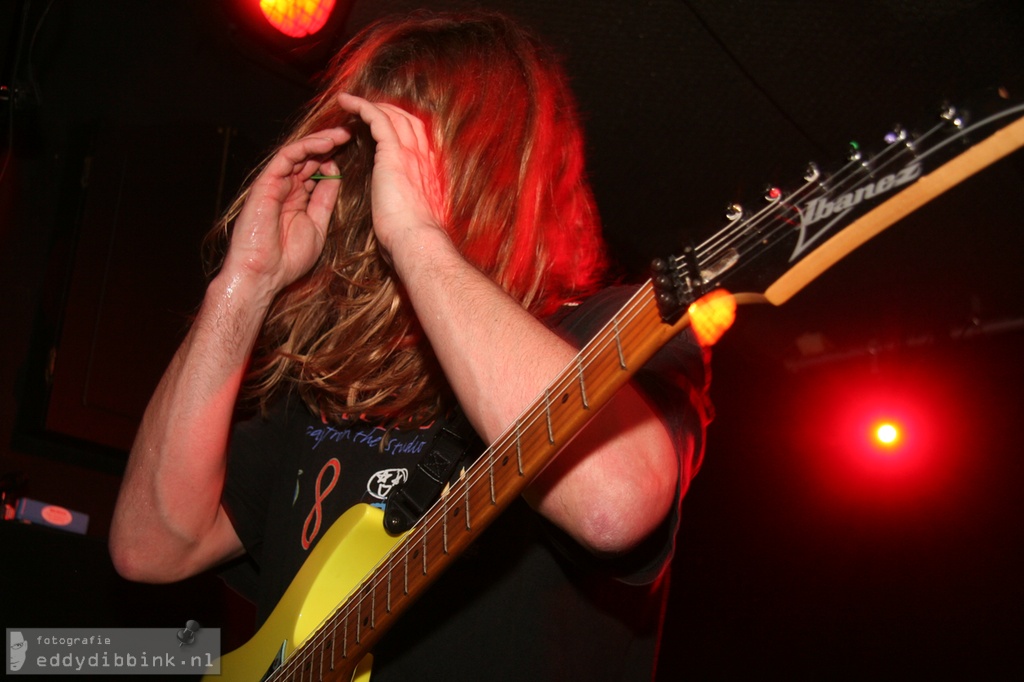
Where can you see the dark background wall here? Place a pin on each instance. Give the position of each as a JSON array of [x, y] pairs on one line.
[[127, 125]]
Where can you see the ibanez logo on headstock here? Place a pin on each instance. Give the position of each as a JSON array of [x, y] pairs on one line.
[[795, 235]]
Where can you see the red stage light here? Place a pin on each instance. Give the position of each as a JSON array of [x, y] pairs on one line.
[[297, 18], [882, 440], [887, 435]]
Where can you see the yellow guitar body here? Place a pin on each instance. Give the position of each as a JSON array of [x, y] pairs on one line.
[[355, 543]]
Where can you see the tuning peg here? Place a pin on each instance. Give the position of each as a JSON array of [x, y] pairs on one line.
[[772, 193], [854, 153], [812, 173], [897, 134], [950, 114], [733, 212]]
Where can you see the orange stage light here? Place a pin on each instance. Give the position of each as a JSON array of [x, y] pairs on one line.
[[297, 18], [711, 315]]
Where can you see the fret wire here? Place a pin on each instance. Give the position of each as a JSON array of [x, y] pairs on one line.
[[389, 587], [630, 308], [583, 385], [519, 450], [623, 366], [638, 304], [619, 345], [490, 475], [344, 636], [547, 415], [444, 526], [359, 620], [465, 498]]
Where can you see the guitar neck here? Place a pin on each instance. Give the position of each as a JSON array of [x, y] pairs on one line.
[[492, 482], [950, 174]]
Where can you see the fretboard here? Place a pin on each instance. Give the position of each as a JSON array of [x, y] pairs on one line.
[[487, 487]]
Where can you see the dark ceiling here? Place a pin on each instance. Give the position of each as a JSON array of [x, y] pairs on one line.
[[688, 105]]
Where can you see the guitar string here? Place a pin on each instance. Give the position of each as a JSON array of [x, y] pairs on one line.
[[854, 172], [412, 540], [436, 514], [430, 520], [741, 228], [902, 145], [565, 380], [858, 172], [568, 377], [475, 475], [852, 168], [763, 227]]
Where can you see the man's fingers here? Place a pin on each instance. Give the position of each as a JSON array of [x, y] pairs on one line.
[[410, 129], [388, 122], [324, 196], [381, 127], [299, 157]]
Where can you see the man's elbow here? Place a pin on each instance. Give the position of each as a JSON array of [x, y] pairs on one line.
[[615, 528], [139, 564], [129, 563]]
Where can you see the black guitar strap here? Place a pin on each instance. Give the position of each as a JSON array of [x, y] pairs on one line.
[[453, 447]]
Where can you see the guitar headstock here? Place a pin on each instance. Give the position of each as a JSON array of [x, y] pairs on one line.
[[792, 235]]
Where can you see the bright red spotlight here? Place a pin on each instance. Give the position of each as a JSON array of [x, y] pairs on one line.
[[889, 432], [887, 435], [297, 18], [882, 439]]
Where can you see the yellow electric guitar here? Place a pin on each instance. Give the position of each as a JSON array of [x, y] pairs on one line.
[[360, 578]]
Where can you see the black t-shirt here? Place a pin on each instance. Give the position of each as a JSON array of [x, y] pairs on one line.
[[524, 602]]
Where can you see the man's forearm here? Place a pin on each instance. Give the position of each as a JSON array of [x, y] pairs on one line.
[[168, 523], [609, 487]]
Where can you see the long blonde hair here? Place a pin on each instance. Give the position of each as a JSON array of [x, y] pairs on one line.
[[518, 205]]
